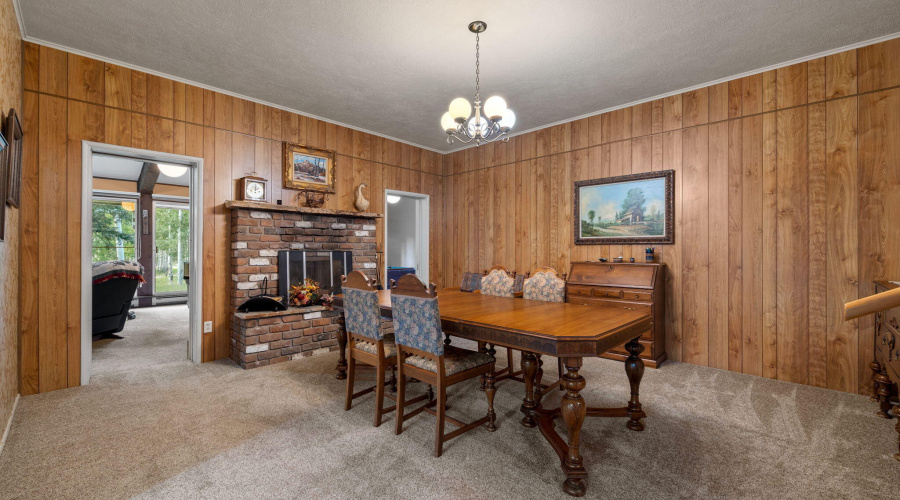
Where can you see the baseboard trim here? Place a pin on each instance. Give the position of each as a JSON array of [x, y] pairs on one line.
[[8, 428]]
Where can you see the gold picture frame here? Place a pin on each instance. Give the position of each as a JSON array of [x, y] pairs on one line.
[[309, 168]]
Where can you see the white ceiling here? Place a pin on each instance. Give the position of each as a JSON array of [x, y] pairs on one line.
[[393, 67], [111, 167]]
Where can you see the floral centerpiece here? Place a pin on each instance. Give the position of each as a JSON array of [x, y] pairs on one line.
[[309, 293]]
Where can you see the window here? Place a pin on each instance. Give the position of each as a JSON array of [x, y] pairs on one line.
[[172, 232], [114, 229]]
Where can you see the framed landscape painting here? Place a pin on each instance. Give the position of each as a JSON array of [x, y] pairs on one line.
[[628, 209], [308, 168]]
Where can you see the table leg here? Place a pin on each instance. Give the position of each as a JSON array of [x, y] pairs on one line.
[[573, 410], [634, 368], [538, 376], [342, 350], [529, 405]]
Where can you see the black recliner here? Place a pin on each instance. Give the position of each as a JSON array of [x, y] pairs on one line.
[[114, 286]]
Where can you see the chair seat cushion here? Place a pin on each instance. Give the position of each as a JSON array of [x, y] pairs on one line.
[[390, 348], [455, 360]]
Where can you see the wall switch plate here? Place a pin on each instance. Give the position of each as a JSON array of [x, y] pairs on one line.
[[207, 327]]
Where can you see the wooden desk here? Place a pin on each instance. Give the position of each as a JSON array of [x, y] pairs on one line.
[[568, 331]]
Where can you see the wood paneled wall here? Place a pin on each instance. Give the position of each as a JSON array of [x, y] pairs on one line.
[[10, 97], [786, 205], [69, 98]]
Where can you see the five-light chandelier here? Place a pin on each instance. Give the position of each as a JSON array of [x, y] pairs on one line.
[[496, 120]]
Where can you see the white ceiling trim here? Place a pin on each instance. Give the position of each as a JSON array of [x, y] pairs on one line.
[[707, 84], [19, 18]]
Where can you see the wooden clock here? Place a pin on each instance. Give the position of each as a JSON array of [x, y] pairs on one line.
[[254, 189]]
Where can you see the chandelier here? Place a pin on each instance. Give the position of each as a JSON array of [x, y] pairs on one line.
[[496, 120]]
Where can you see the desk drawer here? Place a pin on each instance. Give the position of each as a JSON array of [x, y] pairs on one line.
[[607, 293]]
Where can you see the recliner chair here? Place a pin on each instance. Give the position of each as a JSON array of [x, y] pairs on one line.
[[114, 284]]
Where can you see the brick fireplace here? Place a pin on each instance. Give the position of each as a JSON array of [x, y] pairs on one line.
[[258, 233]]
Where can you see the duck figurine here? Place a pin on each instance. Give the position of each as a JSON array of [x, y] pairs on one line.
[[362, 204]]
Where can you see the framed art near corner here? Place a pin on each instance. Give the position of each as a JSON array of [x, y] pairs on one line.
[[4, 166], [625, 210], [309, 168], [13, 131]]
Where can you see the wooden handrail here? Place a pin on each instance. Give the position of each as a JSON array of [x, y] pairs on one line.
[[872, 304]]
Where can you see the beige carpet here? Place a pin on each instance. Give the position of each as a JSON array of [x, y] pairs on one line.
[[215, 431]]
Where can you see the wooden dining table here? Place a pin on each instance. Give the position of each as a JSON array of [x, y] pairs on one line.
[[571, 332]]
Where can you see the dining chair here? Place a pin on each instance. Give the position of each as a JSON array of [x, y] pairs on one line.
[[471, 282], [422, 355], [366, 340], [547, 285], [501, 282]]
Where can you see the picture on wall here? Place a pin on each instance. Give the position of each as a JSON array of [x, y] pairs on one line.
[[309, 168], [628, 209]]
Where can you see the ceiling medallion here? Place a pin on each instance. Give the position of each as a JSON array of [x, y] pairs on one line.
[[496, 120]]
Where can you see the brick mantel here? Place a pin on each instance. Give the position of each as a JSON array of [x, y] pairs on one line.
[[258, 232]]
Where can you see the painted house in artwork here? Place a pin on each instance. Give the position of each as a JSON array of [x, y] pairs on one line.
[[633, 215]]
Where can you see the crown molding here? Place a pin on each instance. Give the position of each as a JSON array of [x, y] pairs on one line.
[[19, 18], [704, 85]]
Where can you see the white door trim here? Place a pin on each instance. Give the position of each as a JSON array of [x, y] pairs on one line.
[[195, 286], [423, 221]]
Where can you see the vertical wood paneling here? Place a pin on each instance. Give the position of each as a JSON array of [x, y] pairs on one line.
[[815, 76], [735, 245], [792, 85], [751, 94], [53, 71], [768, 264], [793, 246], [879, 66], [751, 253], [842, 229], [696, 107], [718, 245], [818, 261], [29, 250], [52, 205], [86, 79], [117, 86], [879, 206], [695, 234], [840, 74]]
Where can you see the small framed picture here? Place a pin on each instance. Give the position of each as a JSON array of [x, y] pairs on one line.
[[624, 210], [309, 168], [13, 131], [4, 177]]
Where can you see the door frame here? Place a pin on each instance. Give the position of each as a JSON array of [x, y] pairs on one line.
[[195, 286], [423, 228]]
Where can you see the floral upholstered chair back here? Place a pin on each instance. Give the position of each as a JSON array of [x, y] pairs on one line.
[[362, 316], [498, 282], [544, 284], [417, 321], [470, 282]]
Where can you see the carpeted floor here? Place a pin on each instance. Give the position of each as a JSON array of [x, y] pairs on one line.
[[145, 346], [183, 431]]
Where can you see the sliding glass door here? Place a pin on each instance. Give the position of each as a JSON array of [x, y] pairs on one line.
[[171, 245]]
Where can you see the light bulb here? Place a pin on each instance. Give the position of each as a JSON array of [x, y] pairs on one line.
[[508, 120], [460, 109], [392, 198], [447, 123], [494, 108], [172, 170]]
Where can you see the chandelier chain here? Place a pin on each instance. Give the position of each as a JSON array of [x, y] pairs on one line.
[[477, 70]]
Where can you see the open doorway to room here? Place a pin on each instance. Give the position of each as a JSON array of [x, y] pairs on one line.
[[141, 266], [406, 241]]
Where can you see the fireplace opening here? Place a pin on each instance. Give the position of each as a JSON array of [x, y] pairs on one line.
[[325, 267]]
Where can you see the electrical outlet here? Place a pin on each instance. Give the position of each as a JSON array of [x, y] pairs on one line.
[[207, 327]]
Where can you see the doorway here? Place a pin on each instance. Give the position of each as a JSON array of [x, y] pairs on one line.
[[141, 259], [406, 228]]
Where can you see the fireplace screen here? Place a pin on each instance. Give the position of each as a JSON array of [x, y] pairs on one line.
[[325, 267]]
